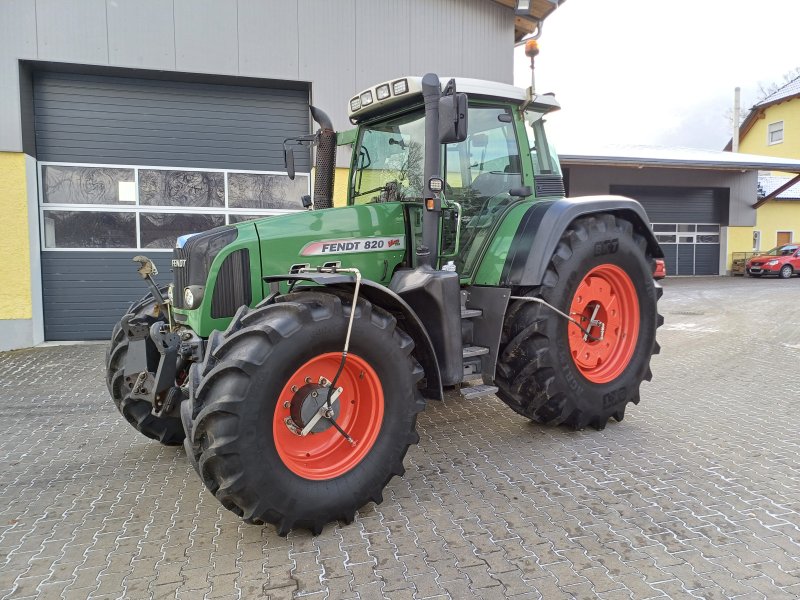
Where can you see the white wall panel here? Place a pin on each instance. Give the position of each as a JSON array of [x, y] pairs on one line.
[[434, 37], [206, 36], [486, 21], [382, 44], [141, 34], [268, 39], [17, 40], [72, 31], [327, 50]]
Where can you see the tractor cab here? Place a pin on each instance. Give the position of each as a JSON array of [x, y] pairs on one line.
[[504, 159]]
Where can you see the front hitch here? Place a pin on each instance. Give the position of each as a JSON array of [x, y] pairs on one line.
[[151, 363]]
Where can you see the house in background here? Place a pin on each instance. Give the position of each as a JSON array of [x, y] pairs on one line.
[[772, 128]]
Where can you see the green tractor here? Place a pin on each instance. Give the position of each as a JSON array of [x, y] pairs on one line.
[[292, 354]]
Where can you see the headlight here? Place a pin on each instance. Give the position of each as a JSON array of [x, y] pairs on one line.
[[192, 296], [382, 92], [366, 98], [772, 263]]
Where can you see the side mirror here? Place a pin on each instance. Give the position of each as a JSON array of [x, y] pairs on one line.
[[288, 161], [453, 118]]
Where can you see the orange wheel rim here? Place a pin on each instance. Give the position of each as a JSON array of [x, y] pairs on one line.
[[608, 293], [327, 454]]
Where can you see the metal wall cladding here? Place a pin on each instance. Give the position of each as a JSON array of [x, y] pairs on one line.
[[339, 47], [679, 205], [86, 293], [120, 120]]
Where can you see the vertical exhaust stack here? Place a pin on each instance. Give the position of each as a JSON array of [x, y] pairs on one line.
[[325, 163]]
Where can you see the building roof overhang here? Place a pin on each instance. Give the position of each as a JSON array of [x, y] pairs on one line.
[[539, 11], [635, 156]]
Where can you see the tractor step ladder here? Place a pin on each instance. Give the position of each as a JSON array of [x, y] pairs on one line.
[[472, 352], [478, 391]]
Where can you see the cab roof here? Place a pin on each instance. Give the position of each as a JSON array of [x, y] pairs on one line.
[[408, 90]]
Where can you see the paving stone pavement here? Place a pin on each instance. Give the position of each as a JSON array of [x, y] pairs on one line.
[[696, 494]]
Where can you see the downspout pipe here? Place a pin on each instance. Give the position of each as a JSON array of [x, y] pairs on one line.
[[428, 253]]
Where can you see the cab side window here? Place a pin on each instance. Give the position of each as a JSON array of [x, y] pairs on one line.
[[486, 165], [480, 172]]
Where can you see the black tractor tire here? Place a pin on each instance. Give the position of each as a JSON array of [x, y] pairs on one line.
[[232, 417], [537, 374], [167, 429], [786, 272]]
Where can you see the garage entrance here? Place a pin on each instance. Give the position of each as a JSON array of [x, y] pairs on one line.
[[686, 222], [128, 164]]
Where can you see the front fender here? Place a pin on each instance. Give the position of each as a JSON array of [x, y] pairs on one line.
[[382, 296], [543, 224]]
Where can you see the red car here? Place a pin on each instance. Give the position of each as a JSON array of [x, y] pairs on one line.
[[783, 261], [661, 269]]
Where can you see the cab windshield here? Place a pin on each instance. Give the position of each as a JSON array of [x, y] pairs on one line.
[[782, 251], [390, 160]]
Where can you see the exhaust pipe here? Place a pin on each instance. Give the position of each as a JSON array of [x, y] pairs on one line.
[[325, 164]]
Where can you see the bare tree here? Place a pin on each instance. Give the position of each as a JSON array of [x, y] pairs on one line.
[[764, 92]]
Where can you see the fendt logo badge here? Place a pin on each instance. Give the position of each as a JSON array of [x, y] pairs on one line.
[[179, 262], [353, 245]]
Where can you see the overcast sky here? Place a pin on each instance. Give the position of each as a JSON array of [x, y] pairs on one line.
[[658, 72]]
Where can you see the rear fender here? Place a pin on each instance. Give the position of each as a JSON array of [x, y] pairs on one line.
[[382, 296], [542, 226]]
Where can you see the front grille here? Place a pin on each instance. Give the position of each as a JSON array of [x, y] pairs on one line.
[[180, 275], [197, 255], [232, 288], [549, 185]]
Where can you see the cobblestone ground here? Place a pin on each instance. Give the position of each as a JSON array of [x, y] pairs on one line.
[[695, 494]]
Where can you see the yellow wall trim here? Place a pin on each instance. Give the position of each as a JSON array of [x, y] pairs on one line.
[[15, 276]]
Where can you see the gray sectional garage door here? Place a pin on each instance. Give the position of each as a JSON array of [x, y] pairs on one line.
[[686, 222], [127, 164]]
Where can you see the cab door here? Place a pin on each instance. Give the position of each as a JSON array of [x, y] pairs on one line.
[[480, 172]]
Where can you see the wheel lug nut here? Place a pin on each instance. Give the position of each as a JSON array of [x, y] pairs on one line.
[[308, 379], [294, 388], [286, 405], [314, 394]]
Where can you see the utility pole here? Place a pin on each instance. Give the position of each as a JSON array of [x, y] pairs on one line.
[[736, 110]]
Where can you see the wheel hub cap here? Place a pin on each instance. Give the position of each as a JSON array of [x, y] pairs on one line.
[[325, 453], [606, 294], [307, 402]]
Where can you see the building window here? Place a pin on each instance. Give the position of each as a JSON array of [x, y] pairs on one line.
[[686, 233], [775, 133], [129, 208]]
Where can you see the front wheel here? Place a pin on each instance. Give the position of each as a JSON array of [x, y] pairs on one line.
[[553, 372], [250, 417], [786, 272]]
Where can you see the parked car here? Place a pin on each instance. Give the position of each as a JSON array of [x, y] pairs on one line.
[[782, 261], [661, 269]]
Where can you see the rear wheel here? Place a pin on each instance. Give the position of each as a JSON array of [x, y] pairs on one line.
[[260, 386], [549, 370], [786, 272], [165, 429]]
